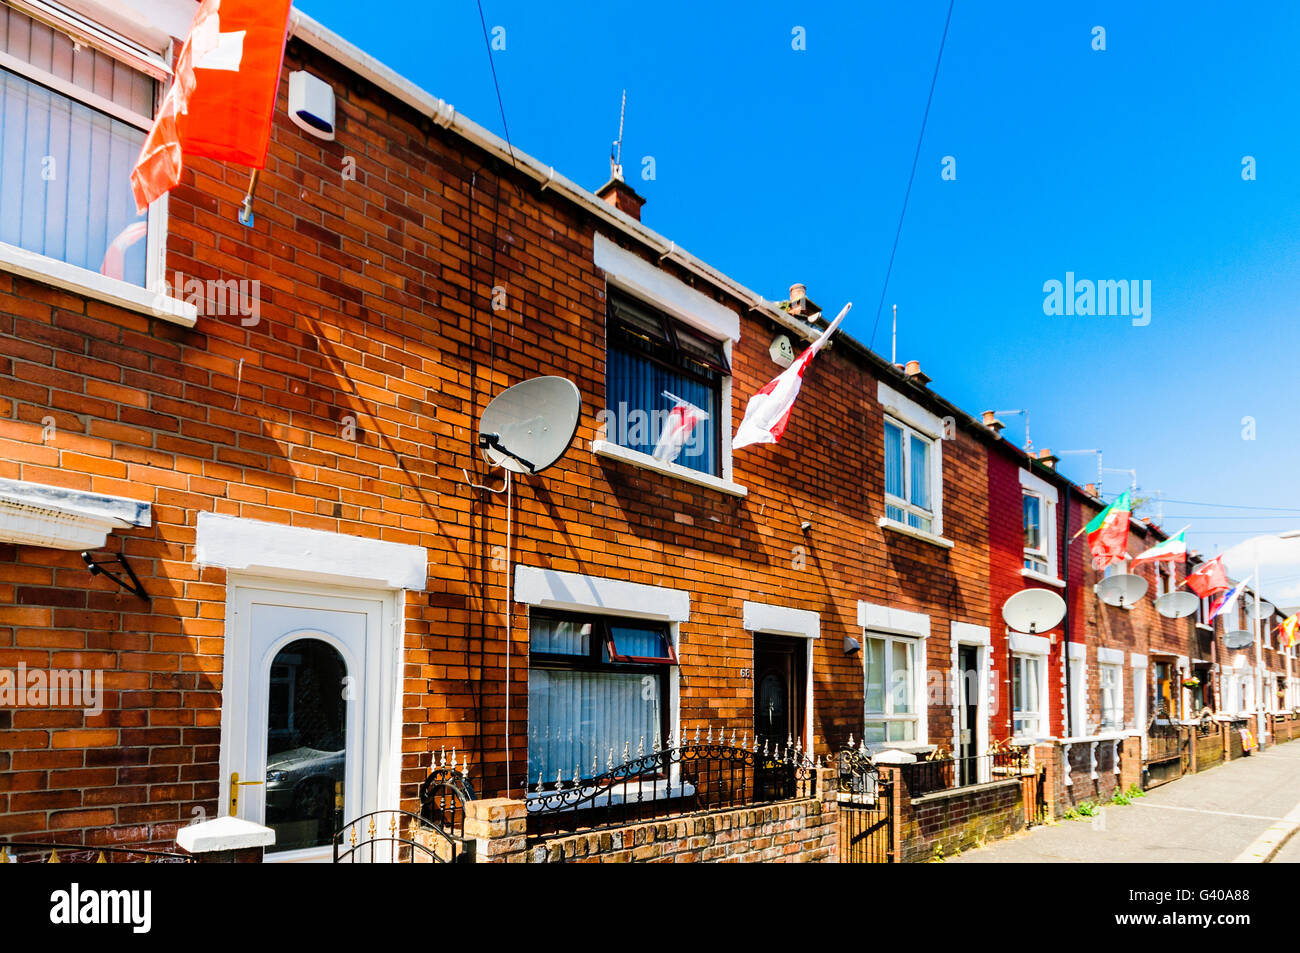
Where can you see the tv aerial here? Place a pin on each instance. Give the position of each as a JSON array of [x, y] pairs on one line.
[[1033, 610], [528, 427], [1177, 605], [1239, 639], [1122, 589]]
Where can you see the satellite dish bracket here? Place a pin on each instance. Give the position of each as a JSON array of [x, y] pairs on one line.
[[493, 440]]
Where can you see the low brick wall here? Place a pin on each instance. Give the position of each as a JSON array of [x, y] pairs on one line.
[[950, 821], [799, 831], [1062, 797]]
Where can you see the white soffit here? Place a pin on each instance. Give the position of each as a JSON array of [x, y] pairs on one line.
[[553, 589], [233, 543], [633, 273], [780, 620], [33, 514]]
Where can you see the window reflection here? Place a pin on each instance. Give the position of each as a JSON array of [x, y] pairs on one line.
[[305, 744]]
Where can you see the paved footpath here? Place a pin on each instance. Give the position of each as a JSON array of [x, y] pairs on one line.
[[1212, 817]]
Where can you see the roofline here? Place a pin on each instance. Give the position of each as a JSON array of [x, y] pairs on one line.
[[326, 41]]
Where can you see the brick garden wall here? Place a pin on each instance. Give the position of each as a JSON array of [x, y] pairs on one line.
[[946, 822]]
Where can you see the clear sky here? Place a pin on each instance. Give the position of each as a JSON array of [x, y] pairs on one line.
[[779, 165]]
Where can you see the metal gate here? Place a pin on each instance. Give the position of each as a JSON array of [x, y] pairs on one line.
[[434, 836], [866, 811], [1033, 794]]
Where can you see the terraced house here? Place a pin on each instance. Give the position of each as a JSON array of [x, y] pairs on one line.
[[241, 487]]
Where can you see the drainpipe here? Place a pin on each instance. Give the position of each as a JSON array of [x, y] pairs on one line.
[[1065, 575]]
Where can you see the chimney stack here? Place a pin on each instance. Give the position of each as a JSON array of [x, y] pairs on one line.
[[1046, 458], [991, 421], [800, 305], [619, 194], [1090, 489]]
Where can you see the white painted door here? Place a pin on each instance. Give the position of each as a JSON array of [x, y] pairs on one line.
[[307, 711]]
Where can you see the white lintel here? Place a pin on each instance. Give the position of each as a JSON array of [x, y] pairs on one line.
[[553, 589]]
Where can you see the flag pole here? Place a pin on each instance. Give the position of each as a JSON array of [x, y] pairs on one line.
[[246, 208]]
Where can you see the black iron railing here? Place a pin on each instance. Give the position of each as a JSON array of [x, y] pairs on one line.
[[866, 810], [398, 837], [38, 852], [443, 795], [690, 777], [946, 773]]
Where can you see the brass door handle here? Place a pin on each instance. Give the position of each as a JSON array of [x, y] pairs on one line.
[[235, 785]]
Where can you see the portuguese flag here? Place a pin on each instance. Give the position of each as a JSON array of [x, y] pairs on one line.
[[1108, 533]]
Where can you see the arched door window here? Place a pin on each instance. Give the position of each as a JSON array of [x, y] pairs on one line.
[[306, 751]]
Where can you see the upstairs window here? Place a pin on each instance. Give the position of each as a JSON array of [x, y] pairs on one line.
[[1036, 550], [72, 121], [652, 361], [908, 476]]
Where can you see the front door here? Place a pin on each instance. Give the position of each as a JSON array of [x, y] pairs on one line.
[[968, 711], [307, 712], [780, 672]]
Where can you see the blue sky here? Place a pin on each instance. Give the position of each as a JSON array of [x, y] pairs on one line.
[[776, 165]]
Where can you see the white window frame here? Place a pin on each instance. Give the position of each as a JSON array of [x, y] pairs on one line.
[[152, 298], [1078, 701], [1114, 673], [635, 276], [964, 633], [1033, 485], [1036, 648], [911, 416], [878, 621], [1141, 696]]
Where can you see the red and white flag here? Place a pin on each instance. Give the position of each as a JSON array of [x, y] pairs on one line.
[[677, 429], [1209, 578], [222, 97], [768, 411]]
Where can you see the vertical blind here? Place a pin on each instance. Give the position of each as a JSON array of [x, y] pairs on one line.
[[636, 386], [65, 168]]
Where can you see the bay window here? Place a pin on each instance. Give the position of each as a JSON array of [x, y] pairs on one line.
[[652, 362], [72, 120], [597, 688], [891, 690]]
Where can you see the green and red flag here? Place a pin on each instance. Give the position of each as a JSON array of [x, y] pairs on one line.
[[1172, 550], [1108, 533]]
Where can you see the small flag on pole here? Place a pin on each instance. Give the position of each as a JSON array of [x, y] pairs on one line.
[[768, 411], [677, 429], [1172, 550], [1209, 578], [222, 98], [1290, 628]]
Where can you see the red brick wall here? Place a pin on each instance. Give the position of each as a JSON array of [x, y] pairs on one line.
[[374, 306]]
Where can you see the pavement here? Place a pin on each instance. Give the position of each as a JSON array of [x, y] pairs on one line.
[[1238, 811]]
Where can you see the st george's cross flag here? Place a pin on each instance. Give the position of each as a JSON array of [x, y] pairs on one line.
[[222, 98], [1209, 578], [1173, 550], [768, 411], [678, 428]]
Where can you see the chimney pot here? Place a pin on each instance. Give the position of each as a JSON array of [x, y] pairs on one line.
[[991, 421], [914, 372], [1090, 489], [1047, 459]]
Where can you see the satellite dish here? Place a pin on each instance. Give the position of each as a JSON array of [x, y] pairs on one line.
[[1263, 609], [1122, 589], [1034, 610], [1239, 639], [1177, 605], [528, 427]]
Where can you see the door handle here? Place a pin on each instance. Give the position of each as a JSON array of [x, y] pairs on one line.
[[235, 785]]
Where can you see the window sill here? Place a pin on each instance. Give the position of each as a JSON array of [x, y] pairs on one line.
[[612, 451], [83, 281], [1204, 628], [1043, 577], [905, 530]]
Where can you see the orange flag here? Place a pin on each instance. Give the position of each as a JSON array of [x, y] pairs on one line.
[[222, 97]]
